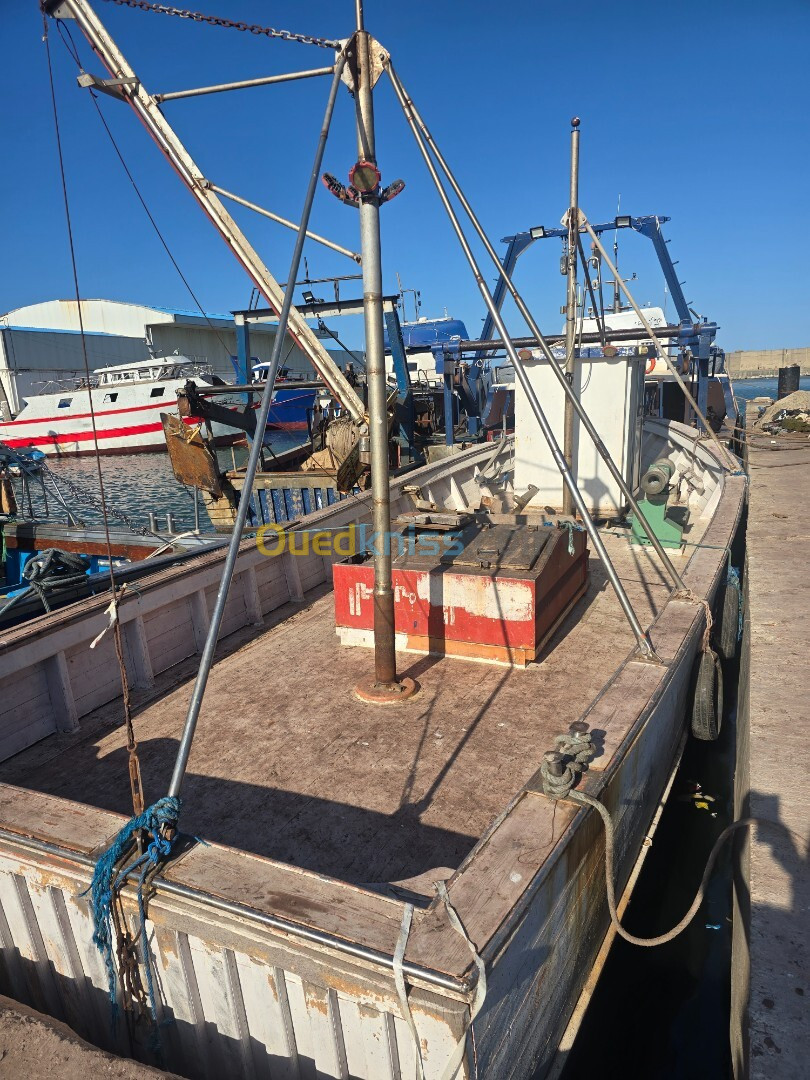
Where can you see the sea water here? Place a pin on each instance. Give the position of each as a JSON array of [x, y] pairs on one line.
[[746, 389], [135, 484]]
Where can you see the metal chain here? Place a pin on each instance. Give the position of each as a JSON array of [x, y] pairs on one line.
[[87, 498], [214, 20]]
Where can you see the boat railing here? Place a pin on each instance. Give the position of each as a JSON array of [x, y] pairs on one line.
[[75, 382]]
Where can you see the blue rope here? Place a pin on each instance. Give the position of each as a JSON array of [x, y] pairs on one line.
[[571, 526], [105, 885]]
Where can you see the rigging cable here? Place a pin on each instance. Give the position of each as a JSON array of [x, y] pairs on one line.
[[94, 97], [136, 786]]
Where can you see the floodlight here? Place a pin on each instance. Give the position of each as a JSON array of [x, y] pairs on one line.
[[364, 176], [624, 222], [537, 233]]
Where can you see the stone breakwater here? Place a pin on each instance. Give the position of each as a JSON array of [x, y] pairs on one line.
[[765, 363]]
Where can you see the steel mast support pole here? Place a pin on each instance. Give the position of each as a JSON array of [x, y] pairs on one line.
[[571, 311], [385, 686], [207, 658], [645, 646], [412, 115]]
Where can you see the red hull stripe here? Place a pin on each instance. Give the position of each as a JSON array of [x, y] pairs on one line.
[[159, 404], [84, 436]]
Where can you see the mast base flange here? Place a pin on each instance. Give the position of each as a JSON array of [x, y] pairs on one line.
[[375, 693]]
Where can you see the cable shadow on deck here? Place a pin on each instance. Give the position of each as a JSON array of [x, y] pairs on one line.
[[351, 843]]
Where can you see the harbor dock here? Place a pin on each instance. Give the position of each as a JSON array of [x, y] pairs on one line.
[[771, 958]]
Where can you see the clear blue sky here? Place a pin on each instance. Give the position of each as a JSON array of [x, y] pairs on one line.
[[695, 110]]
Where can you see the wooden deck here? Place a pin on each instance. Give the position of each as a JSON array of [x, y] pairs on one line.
[[287, 763], [266, 965]]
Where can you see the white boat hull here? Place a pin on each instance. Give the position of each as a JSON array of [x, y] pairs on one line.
[[63, 424]]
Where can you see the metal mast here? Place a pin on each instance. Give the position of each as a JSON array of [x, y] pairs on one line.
[[571, 310], [384, 686]]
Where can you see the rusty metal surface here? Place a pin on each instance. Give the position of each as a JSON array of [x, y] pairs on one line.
[[192, 462], [500, 546]]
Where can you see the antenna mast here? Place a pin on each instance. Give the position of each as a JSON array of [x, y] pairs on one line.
[[571, 310]]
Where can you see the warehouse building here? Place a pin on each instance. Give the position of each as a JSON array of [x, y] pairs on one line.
[[41, 345]]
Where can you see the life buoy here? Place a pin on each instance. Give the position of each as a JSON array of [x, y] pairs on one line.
[[650, 366]]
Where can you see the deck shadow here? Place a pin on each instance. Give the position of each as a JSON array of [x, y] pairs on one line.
[[347, 842]]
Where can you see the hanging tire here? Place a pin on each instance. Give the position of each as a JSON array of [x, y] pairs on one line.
[[729, 630], [707, 703]]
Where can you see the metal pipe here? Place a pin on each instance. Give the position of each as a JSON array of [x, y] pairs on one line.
[[596, 310], [642, 639], [601, 449], [243, 84], [283, 221], [571, 311], [150, 114], [385, 659], [734, 464], [244, 911], [207, 659], [595, 338]]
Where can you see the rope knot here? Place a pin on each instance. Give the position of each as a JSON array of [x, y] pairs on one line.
[[561, 768], [160, 822], [571, 527]]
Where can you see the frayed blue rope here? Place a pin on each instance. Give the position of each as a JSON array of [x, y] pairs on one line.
[[571, 526], [153, 820]]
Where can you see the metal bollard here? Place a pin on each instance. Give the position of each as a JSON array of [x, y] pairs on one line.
[[788, 380]]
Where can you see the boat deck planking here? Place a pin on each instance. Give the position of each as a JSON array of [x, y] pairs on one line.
[[290, 767]]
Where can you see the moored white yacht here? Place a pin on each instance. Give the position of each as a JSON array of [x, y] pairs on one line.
[[127, 400]]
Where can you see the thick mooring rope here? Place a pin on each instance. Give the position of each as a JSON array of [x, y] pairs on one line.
[[662, 939], [561, 770], [160, 822]]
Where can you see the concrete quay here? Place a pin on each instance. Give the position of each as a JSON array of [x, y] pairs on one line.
[[770, 1007]]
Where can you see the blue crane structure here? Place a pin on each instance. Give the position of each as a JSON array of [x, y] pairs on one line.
[[694, 334]]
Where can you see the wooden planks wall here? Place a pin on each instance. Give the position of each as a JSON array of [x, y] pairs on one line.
[[25, 710]]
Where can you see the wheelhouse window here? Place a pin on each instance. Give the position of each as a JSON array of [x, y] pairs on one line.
[[157, 391]]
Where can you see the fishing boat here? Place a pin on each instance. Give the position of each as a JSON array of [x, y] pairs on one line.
[[401, 864], [274, 944], [294, 407], [127, 400], [418, 337]]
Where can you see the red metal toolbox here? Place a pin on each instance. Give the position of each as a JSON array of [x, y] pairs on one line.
[[489, 592]]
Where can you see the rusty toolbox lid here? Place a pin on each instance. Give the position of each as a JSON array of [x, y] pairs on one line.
[[490, 547]]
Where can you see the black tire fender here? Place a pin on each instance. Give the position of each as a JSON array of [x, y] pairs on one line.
[[707, 702], [728, 631]]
